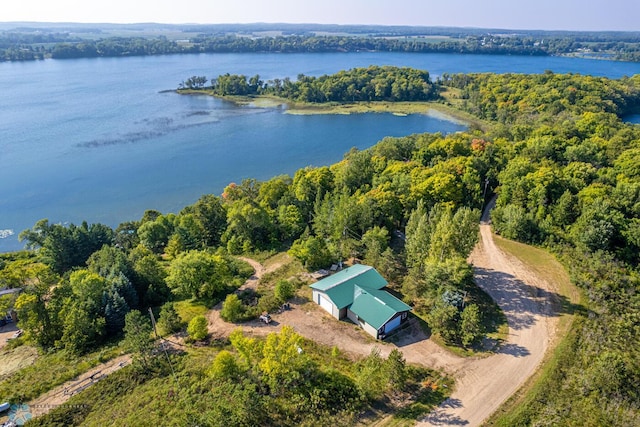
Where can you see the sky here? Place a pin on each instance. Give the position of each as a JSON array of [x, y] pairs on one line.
[[587, 15]]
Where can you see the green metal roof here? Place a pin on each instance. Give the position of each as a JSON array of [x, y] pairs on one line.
[[366, 274], [340, 286], [376, 307], [359, 287]]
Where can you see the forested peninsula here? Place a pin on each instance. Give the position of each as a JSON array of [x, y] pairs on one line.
[[375, 83], [34, 42], [565, 169]]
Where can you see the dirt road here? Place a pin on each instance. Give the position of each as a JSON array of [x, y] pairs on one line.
[[528, 303]]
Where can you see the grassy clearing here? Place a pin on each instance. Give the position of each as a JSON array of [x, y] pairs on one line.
[[286, 269], [568, 302], [188, 309], [49, 371], [16, 358]]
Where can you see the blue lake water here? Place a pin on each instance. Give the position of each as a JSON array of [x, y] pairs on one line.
[[99, 140]]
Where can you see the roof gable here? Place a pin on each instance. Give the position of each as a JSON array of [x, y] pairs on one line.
[[376, 307], [366, 277], [339, 287]]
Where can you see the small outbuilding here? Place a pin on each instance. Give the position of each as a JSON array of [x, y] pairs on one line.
[[357, 293]]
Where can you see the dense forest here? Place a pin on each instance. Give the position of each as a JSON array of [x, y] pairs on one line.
[[25, 44], [374, 83], [566, 172]]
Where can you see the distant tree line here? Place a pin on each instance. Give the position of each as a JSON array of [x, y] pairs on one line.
[[16, 46]]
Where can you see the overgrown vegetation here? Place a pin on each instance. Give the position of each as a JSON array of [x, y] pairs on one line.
[[48, 371], [283, 380]]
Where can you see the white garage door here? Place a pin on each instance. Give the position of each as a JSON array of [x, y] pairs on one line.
[[325, 303], [392, 325]]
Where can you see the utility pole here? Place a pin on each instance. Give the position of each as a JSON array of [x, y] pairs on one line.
[[164, 348]]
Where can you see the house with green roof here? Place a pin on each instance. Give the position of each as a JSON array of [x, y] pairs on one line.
[[357, 293]]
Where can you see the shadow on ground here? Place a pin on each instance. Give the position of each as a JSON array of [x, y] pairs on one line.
[[439, 417], [520, 301]]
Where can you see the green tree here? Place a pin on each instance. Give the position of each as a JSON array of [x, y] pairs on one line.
[[396, 370], [283, 361], [197, 328], [212, 216], [284, 291], [291, 221], [150, 280], [232, 309], [471, 327], [442, 320], [137, 337], [169, 320], [225, 367], [249, 349], [115, 310], [250, 224], [198, 274], [83, 330], [155, 234], [110, 261], [371, 378], [63, 248], [312, 252], [37, 306], [88, 288]]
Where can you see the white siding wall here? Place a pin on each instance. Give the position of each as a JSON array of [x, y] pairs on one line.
[[369, 329], [353, 317], [323, 301]]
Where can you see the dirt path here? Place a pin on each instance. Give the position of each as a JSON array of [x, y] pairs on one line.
[[218, 328], [59, 395], [527, 301], [259, 271]]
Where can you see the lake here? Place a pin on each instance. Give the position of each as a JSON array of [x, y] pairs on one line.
[[101, 140]]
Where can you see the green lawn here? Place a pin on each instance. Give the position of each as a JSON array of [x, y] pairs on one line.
[[188, 309]]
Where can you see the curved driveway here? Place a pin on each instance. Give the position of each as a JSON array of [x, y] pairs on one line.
[[528, 303]]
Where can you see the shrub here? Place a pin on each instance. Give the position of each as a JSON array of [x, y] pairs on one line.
[[232, 309], [197, 328], [284, 291]]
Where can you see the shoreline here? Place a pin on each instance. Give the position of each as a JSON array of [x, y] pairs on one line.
[[434, 109]]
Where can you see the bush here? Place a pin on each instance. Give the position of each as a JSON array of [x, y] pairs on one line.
[[197, 328], [284, 291], [232, 309]]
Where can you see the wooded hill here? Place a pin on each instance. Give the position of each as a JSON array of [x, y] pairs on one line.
[[566, 170]]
